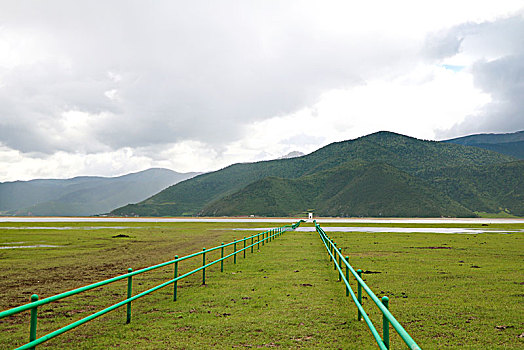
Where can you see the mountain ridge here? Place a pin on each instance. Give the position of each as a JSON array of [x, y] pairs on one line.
[[508, 143], [342, 191], [409, 155], [486, 138], [83, 195]]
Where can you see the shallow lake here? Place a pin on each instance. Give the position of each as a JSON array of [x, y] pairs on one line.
[[286, 220], [68, 227], [28, 246], [454, 230]]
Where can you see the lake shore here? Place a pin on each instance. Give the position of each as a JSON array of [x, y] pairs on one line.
[[265, 219]]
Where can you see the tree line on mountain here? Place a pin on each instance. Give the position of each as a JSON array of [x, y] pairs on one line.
[[382, 174]]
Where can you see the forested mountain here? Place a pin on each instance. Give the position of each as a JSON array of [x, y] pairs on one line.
[[376, 189], [511, 143], [382, 174], [85, 195]]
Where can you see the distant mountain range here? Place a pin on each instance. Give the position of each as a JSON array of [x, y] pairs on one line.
[[511, 144], [382, 174], [292, 154], [85, 195]]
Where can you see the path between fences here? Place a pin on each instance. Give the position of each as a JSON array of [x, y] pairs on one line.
[[286, 295]]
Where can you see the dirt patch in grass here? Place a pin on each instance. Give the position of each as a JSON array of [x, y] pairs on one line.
[[431, 247]]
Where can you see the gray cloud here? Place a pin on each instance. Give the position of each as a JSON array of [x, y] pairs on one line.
[[150, 75], [498, 71], [487, 39], [174, 71], [442, 44], [503, 79]]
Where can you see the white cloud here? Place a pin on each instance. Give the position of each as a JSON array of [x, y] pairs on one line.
[[66, 165], [196, 86], [427, 99], [112, 94]]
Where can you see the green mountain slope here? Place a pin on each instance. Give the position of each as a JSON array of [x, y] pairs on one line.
[[376, 189], [492, 189], [408, 155], [82, 196], [491, 138], [511, 143]]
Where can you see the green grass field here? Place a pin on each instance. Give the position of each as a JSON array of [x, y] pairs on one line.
[[447, 290]]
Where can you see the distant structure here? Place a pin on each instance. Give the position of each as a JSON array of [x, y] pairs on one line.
[[309, 213]]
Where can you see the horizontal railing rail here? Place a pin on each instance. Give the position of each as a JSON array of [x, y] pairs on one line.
[[261, 238], [338, 259]]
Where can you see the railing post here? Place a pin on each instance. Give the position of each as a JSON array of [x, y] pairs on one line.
[[222, 257], [204, 264], [340, 266], [129, 293], [244, 247], [347, 275], [235, 251], [34, 320], [385, 323], [175, 276], [251, 244], [334, 256], [263, 238], [359, 293], [258, 241]]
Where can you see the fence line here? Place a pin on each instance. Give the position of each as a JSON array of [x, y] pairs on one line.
[[334, 253], [266, 236], [387, 318]]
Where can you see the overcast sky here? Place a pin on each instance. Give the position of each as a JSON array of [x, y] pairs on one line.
[[112, 87]]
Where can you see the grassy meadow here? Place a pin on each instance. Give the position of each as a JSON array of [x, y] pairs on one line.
[[447, 290]]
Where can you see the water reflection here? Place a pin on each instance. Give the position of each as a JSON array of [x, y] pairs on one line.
[[458, 230], [286, 220], [29, 246], [67, 227]]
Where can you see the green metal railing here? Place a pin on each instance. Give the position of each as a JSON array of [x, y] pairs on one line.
[[266, 236], [339, 260]]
